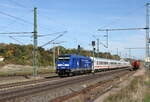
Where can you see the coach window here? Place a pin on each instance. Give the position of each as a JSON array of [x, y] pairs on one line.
[[97, 62], [100, 62]]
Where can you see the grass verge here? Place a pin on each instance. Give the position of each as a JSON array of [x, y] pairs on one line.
[[137, 91], [26, 72]]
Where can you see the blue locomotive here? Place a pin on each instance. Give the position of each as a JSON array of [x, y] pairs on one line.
[[70, 64]]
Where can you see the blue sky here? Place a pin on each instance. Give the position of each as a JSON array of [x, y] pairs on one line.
[[81, 18]]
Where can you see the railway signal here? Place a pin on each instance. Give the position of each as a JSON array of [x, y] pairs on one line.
[[93, 44], [78, 52]]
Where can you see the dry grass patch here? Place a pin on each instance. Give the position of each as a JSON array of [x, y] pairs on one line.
[[20, 70], [136, 91]]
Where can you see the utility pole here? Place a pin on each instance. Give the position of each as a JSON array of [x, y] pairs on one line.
[[120, 54], [129, 52], [97, 45], [35, 44], [107, 37], [147, 30], [117, 51], [54, 56]]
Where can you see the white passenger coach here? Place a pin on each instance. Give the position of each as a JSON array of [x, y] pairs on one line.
[[105, 64]]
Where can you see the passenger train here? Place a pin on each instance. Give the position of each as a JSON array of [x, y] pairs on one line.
[[105, 64], [70, 64]]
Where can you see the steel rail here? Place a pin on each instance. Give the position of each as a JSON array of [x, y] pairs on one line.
[[15, 93], [11, 85]]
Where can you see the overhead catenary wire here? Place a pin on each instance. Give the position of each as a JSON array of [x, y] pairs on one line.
[[57, 42], [52, 40], [17, 33], [15, 39], [134, 48], [50, 19], [29, 36], [14, 21], [146, 28], [15, 17], [20, 19], [127, 13], [122, 29], [18, 4], [43, 35]]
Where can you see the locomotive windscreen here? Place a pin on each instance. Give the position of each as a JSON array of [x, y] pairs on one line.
[[63, 58]]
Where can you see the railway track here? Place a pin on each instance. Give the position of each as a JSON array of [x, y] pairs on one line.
[[106, 85], [24, 83], [45, 85]]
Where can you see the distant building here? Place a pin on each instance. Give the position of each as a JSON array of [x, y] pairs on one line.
[[147, 62], [1, 58], [147, 59]]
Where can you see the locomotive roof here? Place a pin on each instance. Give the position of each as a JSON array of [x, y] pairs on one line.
[[102, 59], [73, 55]]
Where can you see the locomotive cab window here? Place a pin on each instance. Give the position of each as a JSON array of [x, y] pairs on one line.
[[64, 59]]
